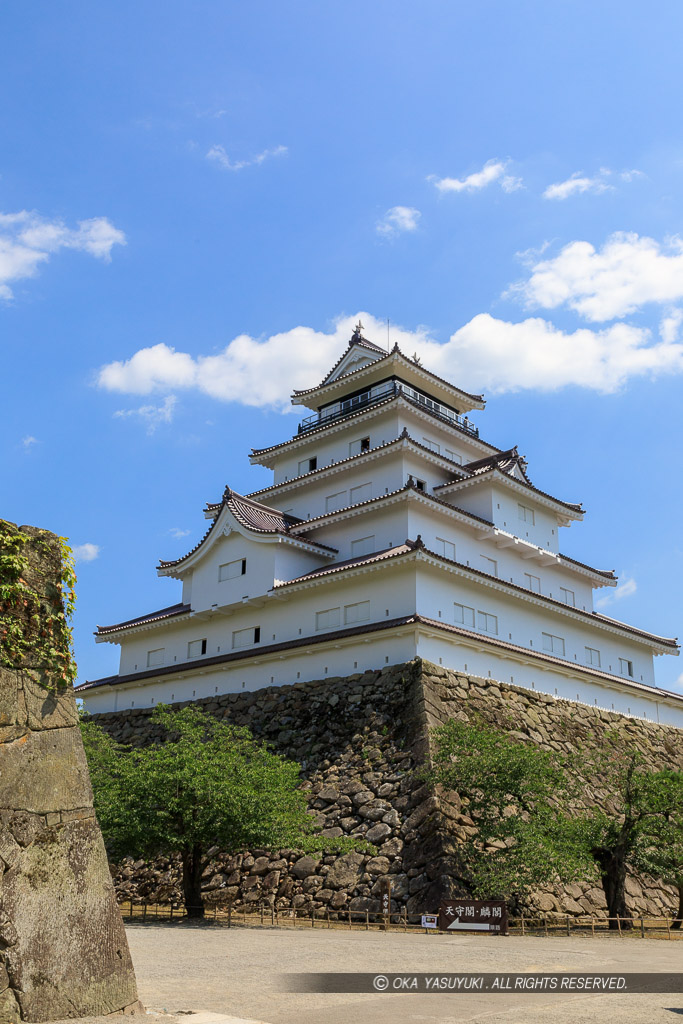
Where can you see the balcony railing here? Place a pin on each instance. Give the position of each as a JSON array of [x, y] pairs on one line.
[[379, 393]]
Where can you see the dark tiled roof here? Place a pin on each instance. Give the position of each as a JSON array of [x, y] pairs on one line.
[[356, 339], [163, 613], [352, 563], [607, 573], [374, 627], [395, 351], [504, 461], [254, 516]]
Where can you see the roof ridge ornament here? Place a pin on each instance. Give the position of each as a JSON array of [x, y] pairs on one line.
[[357, 333]]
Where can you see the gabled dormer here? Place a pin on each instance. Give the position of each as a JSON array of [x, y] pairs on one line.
[[360, 352]]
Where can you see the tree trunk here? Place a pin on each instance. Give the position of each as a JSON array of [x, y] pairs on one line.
[[192, 881], [613, 876], [679, 915]]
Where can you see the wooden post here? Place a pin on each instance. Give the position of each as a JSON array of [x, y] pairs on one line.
[[522, 924], [642, 927], [229, 915], [272, 915], [619, 924], [668, 926], [545, 926], [592, 926], [349, 920], [294, 912], [367, 920], [312, 917], [568, 926], [327, 916], [144, 911], [261, 909], [405, 919]]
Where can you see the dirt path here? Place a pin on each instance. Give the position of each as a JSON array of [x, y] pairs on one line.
[[239, 972]]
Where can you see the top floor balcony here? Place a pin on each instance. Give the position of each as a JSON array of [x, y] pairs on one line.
[[378, 393]]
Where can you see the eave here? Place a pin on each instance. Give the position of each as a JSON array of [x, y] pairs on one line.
[[565, 511], [269, 456], [393, 363]]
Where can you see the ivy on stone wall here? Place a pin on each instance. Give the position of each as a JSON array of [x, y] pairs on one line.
[[37, 600]]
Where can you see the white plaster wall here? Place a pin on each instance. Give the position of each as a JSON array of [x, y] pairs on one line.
[[522, 623]]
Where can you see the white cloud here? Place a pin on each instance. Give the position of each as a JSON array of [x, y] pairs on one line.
[[86, 552], [486, 353], [152, 415], [220, 156], [602, 284], [625, 588], [669, 326], [177, 533], [397, 220], [579, 183], [29, 441], [27, 240], [492, 171]]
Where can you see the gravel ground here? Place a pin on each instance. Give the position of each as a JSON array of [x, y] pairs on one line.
[[239, 973]]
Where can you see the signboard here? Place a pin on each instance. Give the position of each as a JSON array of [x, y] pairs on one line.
[[474, 916], [430, 920], [385, 897]]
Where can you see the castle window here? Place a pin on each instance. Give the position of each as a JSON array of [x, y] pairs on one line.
[[230, 570], [359, 446], [335, 501], [554, 644], [568, 597], [526, 514], [196, 648], [432, 445], [464, 615], [360, 493], [246, 637], [358, 612], [156, 657], [327, 619], [487, 623], [362, 546], [626, 667], [445, 548], [308, 465], [420, 485], [533, 582], [489, 565], [592, 656]]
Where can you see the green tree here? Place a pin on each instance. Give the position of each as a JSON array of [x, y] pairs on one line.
[[518, 797], [210, 784], [632, 826]]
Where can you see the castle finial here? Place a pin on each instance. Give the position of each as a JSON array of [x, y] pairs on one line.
[[357, 332]]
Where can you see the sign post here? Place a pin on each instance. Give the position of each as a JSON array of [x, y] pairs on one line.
[[385, 901], [474, 916]]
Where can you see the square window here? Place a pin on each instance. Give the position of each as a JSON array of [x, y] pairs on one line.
[[568, 597], [464, 615], [445, 547], [533, 582], [358, 612], [626, 667], [420, 485], [553, 644], [487, 623], [196, 648], [489, 565], [592, 656], [156, 657], [526, 514], [246, 637], [230, 570], [361, 493], [327, 619], [335, 501]]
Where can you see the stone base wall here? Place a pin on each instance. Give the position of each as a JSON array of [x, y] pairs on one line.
[[63, 949], [359, 740]]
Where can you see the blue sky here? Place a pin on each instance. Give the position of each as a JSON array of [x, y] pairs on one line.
[[196, 201]]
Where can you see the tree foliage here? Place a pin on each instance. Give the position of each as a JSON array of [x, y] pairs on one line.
[[518, 798], [211, 784]]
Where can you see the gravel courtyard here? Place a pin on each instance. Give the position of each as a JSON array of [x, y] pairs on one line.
[[239, 972]]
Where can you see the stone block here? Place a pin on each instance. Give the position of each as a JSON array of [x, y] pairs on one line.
[[346, 871], [45, 709], [45, 771], [70, 957], [305, 866]]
